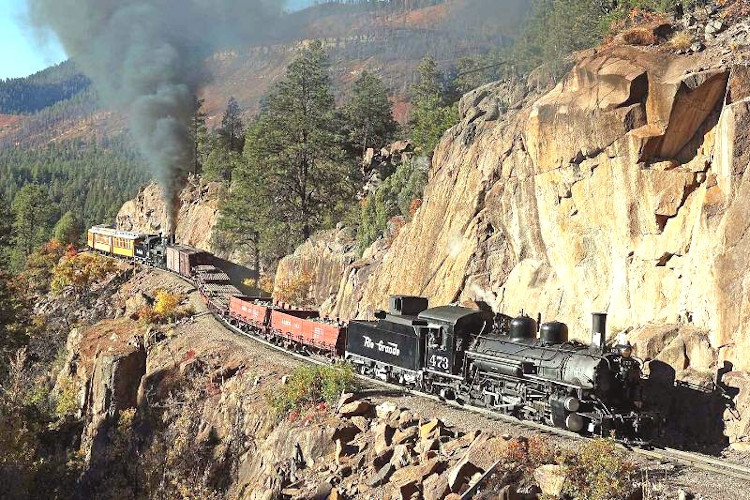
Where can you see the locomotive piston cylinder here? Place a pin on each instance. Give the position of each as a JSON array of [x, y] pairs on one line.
[[574, 422]]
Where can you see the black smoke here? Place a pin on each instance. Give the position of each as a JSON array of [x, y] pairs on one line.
[[146, 58]]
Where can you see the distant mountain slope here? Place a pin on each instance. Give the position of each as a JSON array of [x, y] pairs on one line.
[[45, 88], [390, 38]]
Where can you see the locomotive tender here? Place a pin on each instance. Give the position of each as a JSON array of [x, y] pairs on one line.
[[508, 365]]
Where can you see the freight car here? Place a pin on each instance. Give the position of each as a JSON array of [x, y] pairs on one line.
[[293, 328]]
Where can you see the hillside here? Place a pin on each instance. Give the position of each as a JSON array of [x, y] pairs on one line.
[[58, 103]]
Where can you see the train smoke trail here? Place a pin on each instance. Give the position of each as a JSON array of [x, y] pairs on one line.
[[145, 57]]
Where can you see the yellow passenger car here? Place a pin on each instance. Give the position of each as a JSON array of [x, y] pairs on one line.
[[113, 242]]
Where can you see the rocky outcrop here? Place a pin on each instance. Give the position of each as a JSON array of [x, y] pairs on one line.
[[324, 257], [198, 212], [621, 190]]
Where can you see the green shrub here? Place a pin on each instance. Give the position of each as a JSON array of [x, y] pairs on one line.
[[311, 385], [599, 471], [395, 196]]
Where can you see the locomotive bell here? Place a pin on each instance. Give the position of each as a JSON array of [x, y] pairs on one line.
[[598, 330]]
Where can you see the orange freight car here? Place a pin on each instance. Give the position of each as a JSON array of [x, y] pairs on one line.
[[249, 311], [304, 327]]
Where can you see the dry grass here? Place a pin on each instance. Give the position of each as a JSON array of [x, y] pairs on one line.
[[639, 36], [681, 40]]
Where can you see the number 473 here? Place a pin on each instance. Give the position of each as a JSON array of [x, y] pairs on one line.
[[439, 362]]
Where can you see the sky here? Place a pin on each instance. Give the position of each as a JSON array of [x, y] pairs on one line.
[[21, 55]]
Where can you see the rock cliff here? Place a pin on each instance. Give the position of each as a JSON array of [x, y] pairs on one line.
[[198, 214], [623, 189]]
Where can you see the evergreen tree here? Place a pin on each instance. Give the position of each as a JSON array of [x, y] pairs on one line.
[[232, 130], [198, 133], [220, 164], [368, 114], [432, 114], [430, 83], [31, 219], [68, 229], [6, 228], [295, 177]]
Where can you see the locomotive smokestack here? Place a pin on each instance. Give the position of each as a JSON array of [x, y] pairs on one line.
[[598, 330]]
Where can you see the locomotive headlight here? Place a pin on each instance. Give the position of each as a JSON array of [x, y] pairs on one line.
[[626, 351]]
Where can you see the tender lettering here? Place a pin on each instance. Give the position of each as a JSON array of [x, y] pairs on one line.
[[386, 347]]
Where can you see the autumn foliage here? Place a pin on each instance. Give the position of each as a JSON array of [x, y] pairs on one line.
[[81, 271], [296, 290]]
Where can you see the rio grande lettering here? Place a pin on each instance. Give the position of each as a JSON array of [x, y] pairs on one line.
[[388, 348]]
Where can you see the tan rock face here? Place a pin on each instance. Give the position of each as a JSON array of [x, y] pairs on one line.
[[621, 190], [325, 256], [198, 214]]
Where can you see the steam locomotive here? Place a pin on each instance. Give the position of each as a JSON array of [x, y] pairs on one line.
[[509, 365]]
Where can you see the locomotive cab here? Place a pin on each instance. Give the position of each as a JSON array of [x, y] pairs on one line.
[[448, 333]]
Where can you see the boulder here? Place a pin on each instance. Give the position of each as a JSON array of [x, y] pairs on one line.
[[345, 432], [361, 422], [400, 147], [406, 419], [460, 442], [485, 451], [368, 158], [386, 411], [461, 473], [551, 479], [383, 437], [382, 476], [417, 473], [355, 409], [405, 435], [431, 429], [401, 455], [435, 487]]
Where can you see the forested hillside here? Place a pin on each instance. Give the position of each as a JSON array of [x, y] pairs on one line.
[[43, 89], [87, 179]]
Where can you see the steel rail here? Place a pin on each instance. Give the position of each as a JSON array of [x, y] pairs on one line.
[[662, 454]]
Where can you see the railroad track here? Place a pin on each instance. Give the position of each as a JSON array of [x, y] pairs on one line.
[[671, 455], [660, 454]]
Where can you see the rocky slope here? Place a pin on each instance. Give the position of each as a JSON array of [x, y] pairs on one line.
[[183, 410], [197, 216]]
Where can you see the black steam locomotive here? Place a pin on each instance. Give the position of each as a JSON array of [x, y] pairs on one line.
[[508, 365]]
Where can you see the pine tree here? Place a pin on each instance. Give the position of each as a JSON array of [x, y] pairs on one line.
[[432, 114], [198, 133], [368, 114], [31, 221], [232, 130], [295, 175], [68, 229]]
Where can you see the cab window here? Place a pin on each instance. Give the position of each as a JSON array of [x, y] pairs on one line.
[[436, 339]]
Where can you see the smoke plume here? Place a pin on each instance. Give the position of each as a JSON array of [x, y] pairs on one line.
[[146, 58]]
